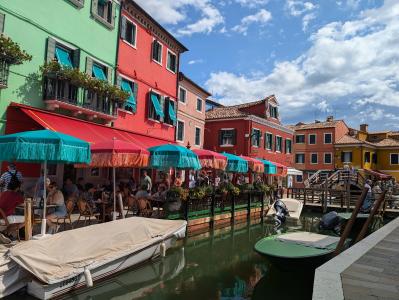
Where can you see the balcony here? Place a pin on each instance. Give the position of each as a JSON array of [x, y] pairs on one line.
[[4, 71], [62, 94]]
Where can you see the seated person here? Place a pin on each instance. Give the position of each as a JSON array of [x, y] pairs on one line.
[[161, 193], [143, 193], [55, 197], [9, 200], [90, 196]]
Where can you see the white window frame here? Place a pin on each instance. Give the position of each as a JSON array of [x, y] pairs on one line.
[[317, 157], [195, 135], [152, 54], [281, 144], [185, 99], [324, 158], [390, 159], [345, 162], [304, 158], [270, 149], [135, 36], [286, 146], [315, 138], [304, 139], [324, 139], [260, 137], [296, 179], [227, 145], [167, 60], [177, 131], [196, 105]]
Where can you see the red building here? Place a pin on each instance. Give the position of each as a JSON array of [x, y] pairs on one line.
[[148, 67], [251, 129], [314, 147]]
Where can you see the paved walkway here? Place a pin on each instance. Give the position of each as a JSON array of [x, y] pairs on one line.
[[376, 274], [368, 270]]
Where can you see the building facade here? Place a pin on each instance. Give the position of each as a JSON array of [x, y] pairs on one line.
[[314, 146], [253, 129], [191, 113], [83, 36], [148, 66]]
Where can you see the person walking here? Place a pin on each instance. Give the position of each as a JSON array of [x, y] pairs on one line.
[[11, 175], [368, 202], [146, 181]]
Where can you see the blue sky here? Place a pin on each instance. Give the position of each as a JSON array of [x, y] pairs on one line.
[[326, 57]]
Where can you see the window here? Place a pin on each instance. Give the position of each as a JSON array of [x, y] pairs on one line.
[[268, 141], [131, 88], [63, 56], [312, 139], [227, 137], [299, 178], [98, 71], [367, 157], [180, 131], [327, 138], [197, 136], [172, 62], [374, 158], [300, 139], [182, 95], [77, 3], [103, 11], [279, 142], [170, 111], [273, 111], [155, 110], [300, 158], [394, 159], [128, 31], [199, 104], [157, 51], [313, 158], [255, 136], [346, 156], [288, 146], [66, 57], [327, 158]]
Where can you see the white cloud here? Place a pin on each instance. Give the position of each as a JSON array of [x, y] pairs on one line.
[[262, 17], [195, 61], [174, 12], [297, 8], [351, 65], [306, 20], [252, 3]]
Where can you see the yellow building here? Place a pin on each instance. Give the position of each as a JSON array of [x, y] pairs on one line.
[[376, 151]]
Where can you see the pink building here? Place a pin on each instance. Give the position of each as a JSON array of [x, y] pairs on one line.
[[191, 113]]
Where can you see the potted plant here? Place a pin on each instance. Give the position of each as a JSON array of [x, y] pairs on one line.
[[11, 53]]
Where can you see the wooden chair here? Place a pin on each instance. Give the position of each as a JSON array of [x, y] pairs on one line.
[[70, 205], [131, 205], [144, 207], [8, 228], [86, 212]]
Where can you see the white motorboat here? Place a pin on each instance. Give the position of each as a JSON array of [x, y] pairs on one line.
[[294, 208], [74, 259]]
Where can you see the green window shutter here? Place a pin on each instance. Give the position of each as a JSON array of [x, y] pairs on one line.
[[135, 92], [123, 28], [76, 58], [2, 19], [109, 74], [94, 7], [50, 49], [113, 9], [89, 66]]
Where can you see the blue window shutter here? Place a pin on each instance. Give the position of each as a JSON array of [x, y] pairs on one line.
[[157, 105], [63, 57], [98, 72]]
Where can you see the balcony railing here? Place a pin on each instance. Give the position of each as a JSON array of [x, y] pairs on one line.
[[4, 71], [63, 94]]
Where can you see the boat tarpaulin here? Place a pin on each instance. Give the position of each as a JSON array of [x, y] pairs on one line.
[[66, 254], [309, 239], [292, 171]]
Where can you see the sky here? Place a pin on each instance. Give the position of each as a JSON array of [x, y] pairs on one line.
[[320, 58]]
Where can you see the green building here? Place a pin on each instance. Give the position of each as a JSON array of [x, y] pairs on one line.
[[77, 33]]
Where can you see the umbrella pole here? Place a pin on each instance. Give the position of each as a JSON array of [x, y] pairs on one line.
[[44, 220], [113, 175]]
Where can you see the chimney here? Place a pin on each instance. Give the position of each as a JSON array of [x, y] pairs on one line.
[[364, 127], [330, 118]]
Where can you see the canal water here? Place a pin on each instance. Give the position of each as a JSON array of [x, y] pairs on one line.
[[218, 264]]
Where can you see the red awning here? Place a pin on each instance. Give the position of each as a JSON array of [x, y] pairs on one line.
[[90, 132], [377, 174]]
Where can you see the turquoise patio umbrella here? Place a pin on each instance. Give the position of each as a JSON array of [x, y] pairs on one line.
[[235, 164], [173, 156], [270, 168], [44, 146]]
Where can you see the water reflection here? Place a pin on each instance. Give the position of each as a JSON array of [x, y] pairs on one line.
[[218, 264]]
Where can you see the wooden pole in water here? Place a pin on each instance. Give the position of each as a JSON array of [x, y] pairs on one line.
[[350, 223], [375, 209], [28, 219]]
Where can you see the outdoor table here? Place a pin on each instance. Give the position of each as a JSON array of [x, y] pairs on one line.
[[103, 208]]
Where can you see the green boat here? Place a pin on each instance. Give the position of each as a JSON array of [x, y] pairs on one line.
[[297, 249]]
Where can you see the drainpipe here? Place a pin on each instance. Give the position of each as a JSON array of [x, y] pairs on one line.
[[117, 49]]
